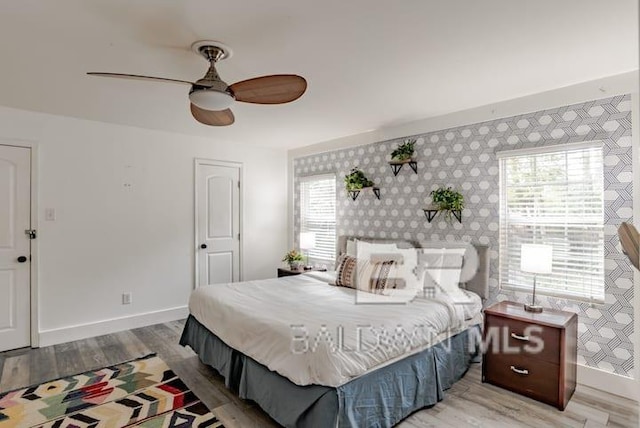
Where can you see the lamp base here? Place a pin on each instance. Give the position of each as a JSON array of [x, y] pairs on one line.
[[533, 308]]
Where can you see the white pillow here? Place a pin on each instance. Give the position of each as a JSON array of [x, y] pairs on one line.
[[443, 267], [410, 271], [351, 247], [364, 249]]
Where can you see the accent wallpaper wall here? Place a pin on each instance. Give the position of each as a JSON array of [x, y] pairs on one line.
[[464, 158]]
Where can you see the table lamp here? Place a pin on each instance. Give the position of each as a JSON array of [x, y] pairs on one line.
[[535, 259], [307, 242]]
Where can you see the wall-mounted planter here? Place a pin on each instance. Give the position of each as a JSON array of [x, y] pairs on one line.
[[431, 213], [396, 165], [354, 193]]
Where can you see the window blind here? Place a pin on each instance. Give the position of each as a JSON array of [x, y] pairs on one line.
[[554, 198], [318, 214]]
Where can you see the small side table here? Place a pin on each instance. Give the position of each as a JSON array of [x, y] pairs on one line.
[[534, 354], [291, 272]]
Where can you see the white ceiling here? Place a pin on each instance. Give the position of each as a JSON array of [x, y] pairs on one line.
[[369, 63]]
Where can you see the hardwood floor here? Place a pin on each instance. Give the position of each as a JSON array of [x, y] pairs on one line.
[[469, 403]]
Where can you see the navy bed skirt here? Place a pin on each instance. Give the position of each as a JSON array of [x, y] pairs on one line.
[[381, 398]]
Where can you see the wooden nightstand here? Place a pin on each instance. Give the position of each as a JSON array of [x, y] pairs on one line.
[[533, 354], [290, 272]]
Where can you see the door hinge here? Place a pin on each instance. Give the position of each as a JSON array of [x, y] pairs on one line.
[[31, 233], [238, 236], [238, 184]]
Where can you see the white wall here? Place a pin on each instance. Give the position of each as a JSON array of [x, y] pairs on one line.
[[107, 240]]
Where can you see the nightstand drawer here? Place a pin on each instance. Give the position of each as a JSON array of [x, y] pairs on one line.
[[509, 336], [520, 373]]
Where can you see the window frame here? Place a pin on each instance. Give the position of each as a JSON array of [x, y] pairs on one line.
[[301, 222], [590, 294]]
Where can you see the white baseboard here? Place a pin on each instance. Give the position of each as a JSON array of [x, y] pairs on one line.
[[99, 328], [609, 382]]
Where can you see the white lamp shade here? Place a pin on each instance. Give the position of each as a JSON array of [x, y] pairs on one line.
[[307, 240], [536, 258]]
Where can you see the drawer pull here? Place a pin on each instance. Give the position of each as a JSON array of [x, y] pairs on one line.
[[520, 371], [523, 338]]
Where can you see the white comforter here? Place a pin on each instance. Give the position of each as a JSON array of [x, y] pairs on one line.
[[314, 333]]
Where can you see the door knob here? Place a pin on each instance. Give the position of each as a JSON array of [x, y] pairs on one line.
[[22, 259], [203, 246]]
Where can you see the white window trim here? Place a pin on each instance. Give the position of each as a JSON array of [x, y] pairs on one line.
[[549, 149], [318, 177], [530, 152]]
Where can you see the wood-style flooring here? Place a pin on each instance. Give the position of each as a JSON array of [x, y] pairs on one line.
[[469, 403]]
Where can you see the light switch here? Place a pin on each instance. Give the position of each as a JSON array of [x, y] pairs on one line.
[[50, 214]]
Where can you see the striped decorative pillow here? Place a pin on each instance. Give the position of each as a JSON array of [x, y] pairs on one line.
[[371, 276], [346, 271], [376, 276]]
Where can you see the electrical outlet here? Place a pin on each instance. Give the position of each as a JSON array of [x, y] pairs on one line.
[[127, 298]]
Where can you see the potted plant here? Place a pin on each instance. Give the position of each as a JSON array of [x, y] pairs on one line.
[[356, 180], [447, 200], [294, 258], [404, 152]]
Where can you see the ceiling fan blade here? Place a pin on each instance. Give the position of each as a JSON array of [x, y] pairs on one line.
[[211, 117], [138, 77], [275, 89]]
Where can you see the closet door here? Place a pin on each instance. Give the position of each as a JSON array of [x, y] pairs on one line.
[[218, 222]]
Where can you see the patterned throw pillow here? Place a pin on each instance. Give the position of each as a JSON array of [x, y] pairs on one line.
[[376, 276], [346, 271], [368, 275]]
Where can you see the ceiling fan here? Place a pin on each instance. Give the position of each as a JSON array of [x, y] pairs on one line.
[[211, 97]]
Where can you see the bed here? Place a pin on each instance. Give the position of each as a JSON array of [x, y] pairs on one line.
[[309, 357]]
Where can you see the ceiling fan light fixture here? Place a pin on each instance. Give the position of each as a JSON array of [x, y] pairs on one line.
[[211, 96], [211, 99]]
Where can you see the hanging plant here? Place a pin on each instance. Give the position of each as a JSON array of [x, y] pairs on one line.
[[356, 180], [404, 151], [448, 201]]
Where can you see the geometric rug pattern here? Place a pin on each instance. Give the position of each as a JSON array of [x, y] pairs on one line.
[[142, 393], [464, 157]]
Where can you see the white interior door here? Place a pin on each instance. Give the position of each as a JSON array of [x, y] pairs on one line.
[[218, 222], [15, 247]]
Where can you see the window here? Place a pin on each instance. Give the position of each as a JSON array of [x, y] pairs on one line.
[[318, 214], [554, 196]]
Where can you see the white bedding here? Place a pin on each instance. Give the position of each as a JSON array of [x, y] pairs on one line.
[[310, 332]]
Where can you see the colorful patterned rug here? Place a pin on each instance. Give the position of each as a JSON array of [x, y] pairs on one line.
[[139, 393]]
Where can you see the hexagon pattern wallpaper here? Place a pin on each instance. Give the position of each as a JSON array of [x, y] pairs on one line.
[[465, 158]]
